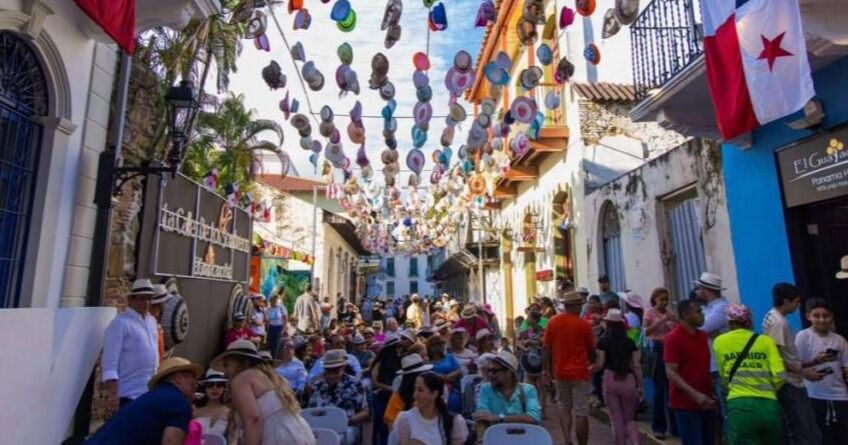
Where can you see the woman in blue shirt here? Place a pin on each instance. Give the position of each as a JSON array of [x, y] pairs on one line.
[[291, 368]]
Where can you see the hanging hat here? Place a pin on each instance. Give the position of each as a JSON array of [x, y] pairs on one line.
[[389, 156], [534, 11], [413, 364], [524, 109], [262, 43], [387, 91], [421, 62], [545, 54], [626, 11], [174, 365], [257, 25], [456, 82], [312, 76], [496, 74], [463, 62], [552, 100], [530, 77], [457, 112], [415, 160], [160, 294], [273, 76], [422, 112], [585, 7], [341, 9], [566, 17], [356, 134], [527, 33], [302, 19], [297, 52], [379, 65], [295, 5], [485, 14], [611, 24], [349, 22], [345, 53], [549, 31], [502, 60], [709, 281], [300, 122], [424, 94], [520, 144], [394, 9], [419, 137], [564, 71], [592, 54], [438, 18], [447, 137], [476, 185], [392, 36]]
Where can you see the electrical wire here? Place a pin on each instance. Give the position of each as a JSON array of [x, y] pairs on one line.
[[296, 70]]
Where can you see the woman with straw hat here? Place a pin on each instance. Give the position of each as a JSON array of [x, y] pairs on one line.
[[403, 399], [267, 407], [211, 412]]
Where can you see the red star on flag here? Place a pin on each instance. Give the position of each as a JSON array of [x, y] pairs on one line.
[[772, 50]]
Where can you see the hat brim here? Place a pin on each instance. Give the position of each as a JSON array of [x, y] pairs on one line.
[[142, 293], [193, 367], [707, 285], [219, 360], [159, 299], [424, 367], [503, 363], [841, 275], [335, 365]]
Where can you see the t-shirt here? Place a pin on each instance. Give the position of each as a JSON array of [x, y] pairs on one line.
[[776, 327], [570, 339], [715, 323], [760, 373], [691, 352], [276, 314], [612, 361], [143, 421], [810, 344], [465, 358], [410, 425], [237, 334], [259, 327], [651, 317]]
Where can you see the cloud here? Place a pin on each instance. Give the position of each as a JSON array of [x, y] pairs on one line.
[[321, 41]]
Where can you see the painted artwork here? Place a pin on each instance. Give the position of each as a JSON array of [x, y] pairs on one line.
[[276, 276]]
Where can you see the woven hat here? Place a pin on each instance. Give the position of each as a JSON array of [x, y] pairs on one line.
[[507, 360], [483, 333], [173, 365], [142, 287], [583, 290], [469, 311], [614, 315], [523, 109], [238, 316], [626, 11], [573, 297], [611, 24], [413, 364], [298, 53], [213, 376], [161, 294], [335, 358], [709, 281], [407, 334], [243, 348]]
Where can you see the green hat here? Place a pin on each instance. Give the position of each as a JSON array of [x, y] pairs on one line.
[[345, 53], [348, 23]]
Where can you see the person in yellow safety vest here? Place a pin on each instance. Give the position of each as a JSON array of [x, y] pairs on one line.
[[752, 372]]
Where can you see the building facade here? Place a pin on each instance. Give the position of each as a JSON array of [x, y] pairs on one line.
[[406, 275]]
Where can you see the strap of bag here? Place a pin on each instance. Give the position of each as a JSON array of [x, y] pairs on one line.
[[741, 357]]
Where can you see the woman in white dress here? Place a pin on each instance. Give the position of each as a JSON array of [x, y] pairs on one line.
[[429, 421], [266, 406], [210, 411]]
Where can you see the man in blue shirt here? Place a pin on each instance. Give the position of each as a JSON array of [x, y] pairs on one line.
[[504, 399], [161, 415]]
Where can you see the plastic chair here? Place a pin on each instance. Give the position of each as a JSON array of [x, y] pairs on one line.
[[393, 438], [323, 436], [329, 417], [214, 439], [509, 433]]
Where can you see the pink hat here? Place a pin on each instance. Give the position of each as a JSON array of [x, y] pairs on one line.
[[487, 308], [738, 312]]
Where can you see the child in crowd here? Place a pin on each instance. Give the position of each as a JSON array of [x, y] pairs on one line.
[[818, 346]]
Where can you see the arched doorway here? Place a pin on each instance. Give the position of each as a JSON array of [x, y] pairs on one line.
[[562, 228], [23, 99], [612, 261]]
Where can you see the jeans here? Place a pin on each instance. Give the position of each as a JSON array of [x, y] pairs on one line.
[[798, 416], [696, 427], [621, 397], [753, 421], [274, 335], [661, 415]]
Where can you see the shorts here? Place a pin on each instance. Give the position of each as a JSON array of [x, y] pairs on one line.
[[574, 396]]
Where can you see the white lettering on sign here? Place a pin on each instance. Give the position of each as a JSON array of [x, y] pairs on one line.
[[201, 268], [183, 223]]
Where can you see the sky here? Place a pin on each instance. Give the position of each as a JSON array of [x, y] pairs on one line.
[[321, 41]]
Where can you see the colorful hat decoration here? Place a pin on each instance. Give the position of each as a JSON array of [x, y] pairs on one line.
[[421, 61], [288, 107], [419, 137], [462, 61], [552, 100], [485, 14], [585, 7], [394, 10], [312, 76], [534, 11], [422, 112], [345, 53], [341, 9], [262, 43], [530, 77], [297, 52], [496, 74], [523, 109], [392, 36], [273, 76], [438, 18], [349, 22], [519, 144], [564, 71], [302, 19], [415, 160], [257, 25], [592, 54], [420, 79], [456, 82], [626, 11], [545, 54], [387, 91], [566, 17], [527, 33], [611, 24]]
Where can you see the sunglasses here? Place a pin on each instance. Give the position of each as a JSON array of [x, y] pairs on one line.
[[215, 385], [495, 370]]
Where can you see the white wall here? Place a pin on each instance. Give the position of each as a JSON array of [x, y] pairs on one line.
[[403, 277]]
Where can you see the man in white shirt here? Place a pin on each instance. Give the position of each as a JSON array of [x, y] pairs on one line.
[[798, 416], [307, 311], [414, 313], [130, 348]]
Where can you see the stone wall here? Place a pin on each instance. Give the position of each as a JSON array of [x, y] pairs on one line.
[[604, 119]]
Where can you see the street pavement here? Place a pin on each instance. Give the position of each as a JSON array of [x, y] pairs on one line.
[[599, 433]]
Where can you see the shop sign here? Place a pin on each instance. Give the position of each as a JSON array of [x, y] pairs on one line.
[[199, 235], [545, 275], [815, 170]]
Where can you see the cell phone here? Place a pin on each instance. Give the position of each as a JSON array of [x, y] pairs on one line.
[[825, 371], [831, 351]]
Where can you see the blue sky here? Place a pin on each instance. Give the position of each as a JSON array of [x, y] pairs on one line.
[[321, 41]]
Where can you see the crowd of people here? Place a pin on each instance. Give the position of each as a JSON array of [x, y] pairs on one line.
[[441, 371]]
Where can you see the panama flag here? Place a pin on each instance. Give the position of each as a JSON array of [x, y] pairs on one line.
[[756, 61]]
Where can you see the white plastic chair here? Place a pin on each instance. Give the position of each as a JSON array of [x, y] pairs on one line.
[[324, 436], [214, 439], [329, 417], [509, 433], [393, 438]]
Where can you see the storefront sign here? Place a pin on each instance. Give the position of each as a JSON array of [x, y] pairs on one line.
[[545, 275], [815, 170]]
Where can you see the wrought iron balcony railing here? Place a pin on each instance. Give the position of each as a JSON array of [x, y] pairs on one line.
[[665, 39]]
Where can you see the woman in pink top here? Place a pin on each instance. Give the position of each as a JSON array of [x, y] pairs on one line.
[[659, 320]]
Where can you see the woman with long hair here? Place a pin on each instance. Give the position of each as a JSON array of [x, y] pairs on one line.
[[659, 321], [403, 399], [383, 370], [267, 409], [429, 421], [619, 357], [211, 411]]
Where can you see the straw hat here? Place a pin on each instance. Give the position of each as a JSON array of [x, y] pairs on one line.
[[632, 299], [335, 358], [142, 287], [507, 360], [483, 333], [709, 281], [626, 11], [213, 376], [173, 365], [413, 364], [161, 294], [243, 348], [573, 297], [469, 311], [614, 315]]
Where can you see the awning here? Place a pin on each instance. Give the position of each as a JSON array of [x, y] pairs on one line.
[[458, 262], [346, 230]]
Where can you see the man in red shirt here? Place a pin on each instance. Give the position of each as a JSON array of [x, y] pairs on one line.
[[687, 363], [569, 350], [240, 331]]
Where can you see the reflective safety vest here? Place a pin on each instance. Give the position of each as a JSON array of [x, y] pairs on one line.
[[761, 372]]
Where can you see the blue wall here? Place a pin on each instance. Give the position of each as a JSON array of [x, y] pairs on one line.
[[754, 201]]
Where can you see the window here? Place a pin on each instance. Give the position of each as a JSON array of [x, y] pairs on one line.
[[413, 268], [390, 289], [612, 262], [413, 287], [390, 267]]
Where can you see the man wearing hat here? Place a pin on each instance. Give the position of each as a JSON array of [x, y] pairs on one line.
[[708, 291], [130, 348], [504, 399], [161, 415], [240, 331], [568, 350], [318, 367], [415, 313], [471, 321], [307, 311], [752, 372], [337, 388], [157, 306]]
